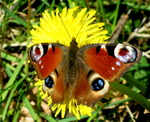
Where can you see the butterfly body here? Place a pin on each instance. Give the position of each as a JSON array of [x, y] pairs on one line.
[[81, 73]]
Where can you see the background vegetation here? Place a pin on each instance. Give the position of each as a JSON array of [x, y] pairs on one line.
[[19, 99]]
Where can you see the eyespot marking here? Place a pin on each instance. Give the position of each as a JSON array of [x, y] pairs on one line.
[[97, 84], [126, 54], [36, 52], [49, 82]]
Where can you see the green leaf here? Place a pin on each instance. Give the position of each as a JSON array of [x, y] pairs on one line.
[[134, 82], [13, 77], [10, 98], [30, 108], [19, 20], [48, 117], [135, 96]]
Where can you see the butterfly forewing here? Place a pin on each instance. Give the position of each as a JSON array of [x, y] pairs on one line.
[[45, 57], [110, 60]]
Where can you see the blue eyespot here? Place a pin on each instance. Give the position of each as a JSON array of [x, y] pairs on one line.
[[49, 82], [97, 84]]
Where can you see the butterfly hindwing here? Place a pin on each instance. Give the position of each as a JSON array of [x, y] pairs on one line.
[[89, 86]]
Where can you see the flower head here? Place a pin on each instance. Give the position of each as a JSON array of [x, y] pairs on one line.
[[62, 27]]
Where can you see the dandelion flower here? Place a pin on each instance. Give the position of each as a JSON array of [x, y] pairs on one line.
[[61, 27]]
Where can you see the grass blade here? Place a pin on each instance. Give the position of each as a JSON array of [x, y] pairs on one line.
[[48, 118], [19, 20], [10, 98], [30, 108], [13, 77], [134, 82], [135, 96]]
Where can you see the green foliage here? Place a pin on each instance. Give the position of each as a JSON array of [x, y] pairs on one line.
[[16, 78]]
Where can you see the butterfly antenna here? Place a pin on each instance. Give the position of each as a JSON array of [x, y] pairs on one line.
[[82, 26], [64, 25]]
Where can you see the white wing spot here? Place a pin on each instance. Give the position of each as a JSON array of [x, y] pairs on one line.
[[40, 62], [49, 46], [112, 68], [42, 67], [103, 46], [118, 63]]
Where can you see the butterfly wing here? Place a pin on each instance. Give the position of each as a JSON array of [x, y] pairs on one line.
[[89, 86], [99, 64], [47, 59], [110, 61]]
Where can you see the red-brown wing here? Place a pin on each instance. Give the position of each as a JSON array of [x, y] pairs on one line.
[[89, 86], [46, 57], [98, 64], [110, 60]]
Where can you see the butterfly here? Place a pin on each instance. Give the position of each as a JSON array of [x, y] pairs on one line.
[[81, 73]]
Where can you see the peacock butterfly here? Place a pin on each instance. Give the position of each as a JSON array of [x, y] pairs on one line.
[[81, 73]]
